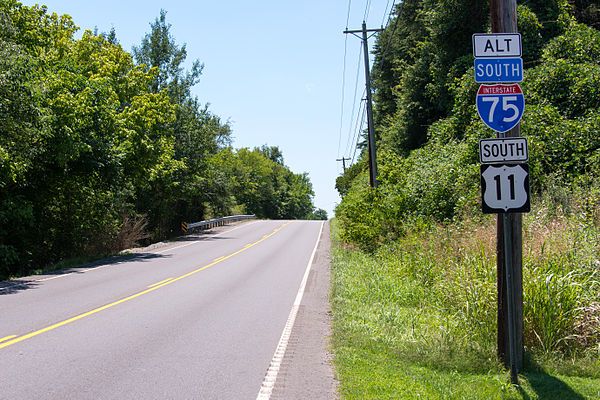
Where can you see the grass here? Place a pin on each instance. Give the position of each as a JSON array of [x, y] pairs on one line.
[[416, 319]]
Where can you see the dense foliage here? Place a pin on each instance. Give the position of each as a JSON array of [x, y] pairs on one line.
[[425, 216], [427, 124], [95, 141]]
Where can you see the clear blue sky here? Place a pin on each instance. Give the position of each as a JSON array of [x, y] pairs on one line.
[[272, 68]]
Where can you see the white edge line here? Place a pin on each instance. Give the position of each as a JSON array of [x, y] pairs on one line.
[[107, 265], [268, 384]]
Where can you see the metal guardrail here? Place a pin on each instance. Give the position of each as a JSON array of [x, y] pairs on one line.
[[211, 223]]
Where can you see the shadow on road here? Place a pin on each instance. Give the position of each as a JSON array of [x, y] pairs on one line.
[[20, 284], [16, 285], [199, 237]]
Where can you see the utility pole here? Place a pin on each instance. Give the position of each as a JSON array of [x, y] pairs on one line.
[[343, 160], [370, 128], [509, 266]]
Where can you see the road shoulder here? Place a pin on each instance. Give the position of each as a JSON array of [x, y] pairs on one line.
[[307, 367]]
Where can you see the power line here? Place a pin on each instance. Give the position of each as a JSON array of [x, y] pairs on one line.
[[343, 88], [348, 15], [358, 133], [344, 79], [367, 10], [386, 11], [392, 34], [355, 91], [351, 133]]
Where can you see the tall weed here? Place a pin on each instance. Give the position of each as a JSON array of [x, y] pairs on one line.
[[447, 274]]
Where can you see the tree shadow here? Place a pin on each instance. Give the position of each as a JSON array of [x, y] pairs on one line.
[[545, 385], [549, 387], [199, 237], [13, 286], [16, 285]]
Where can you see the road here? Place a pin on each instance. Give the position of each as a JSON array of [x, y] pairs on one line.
[[196, 319]]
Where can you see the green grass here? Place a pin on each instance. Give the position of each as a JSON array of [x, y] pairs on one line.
[[416, 319]]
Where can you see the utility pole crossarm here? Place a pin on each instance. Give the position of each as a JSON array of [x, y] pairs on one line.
[[366, 30], [343, 160]]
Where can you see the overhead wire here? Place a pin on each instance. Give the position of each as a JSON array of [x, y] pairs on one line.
[[343, 95], [355, 133], [367, 10], [344, 80], [355, 92], [351, 133], [387, 46], [385, 12], [358, 131], [355, 129]]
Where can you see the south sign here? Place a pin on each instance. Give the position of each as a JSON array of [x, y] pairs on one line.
[[498, 70], [500, 106], [501, 150]]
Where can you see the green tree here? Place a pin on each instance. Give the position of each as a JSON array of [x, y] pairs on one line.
[[197, 133], [419, 55]]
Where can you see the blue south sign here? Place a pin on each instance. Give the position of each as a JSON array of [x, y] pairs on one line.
[[500, 106], [498, 70]]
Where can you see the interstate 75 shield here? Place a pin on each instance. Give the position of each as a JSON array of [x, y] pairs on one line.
[[500, 106]]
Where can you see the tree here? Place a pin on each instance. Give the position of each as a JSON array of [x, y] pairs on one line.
[[419, 55], [197, 133], [159, 50]]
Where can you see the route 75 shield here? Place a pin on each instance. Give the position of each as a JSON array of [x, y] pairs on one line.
[[500, 106], [505, 188]]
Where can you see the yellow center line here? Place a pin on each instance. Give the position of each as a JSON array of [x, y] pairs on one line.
[[219, 259], [10, 340], [158, 283], [8, 337]]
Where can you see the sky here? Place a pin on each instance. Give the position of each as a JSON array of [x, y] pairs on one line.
[[281, 72]]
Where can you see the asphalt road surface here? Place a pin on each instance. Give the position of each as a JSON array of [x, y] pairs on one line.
[[200, 318]]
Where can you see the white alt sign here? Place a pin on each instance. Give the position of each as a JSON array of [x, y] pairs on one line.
[[505, 188], [497, 45]]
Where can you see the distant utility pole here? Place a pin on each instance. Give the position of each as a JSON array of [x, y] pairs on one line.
[[370, 128], [343, 160], [503, 15]]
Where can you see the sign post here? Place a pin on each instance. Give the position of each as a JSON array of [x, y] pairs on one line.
[[505, 186]]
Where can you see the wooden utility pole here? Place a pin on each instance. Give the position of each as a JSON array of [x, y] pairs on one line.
[[503, 15], [343, 160], [370, 128]]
